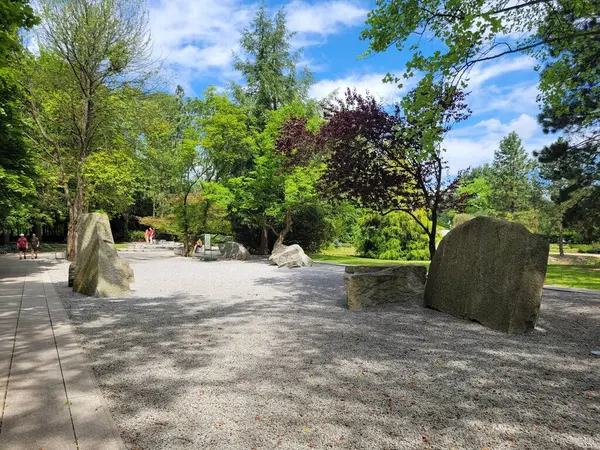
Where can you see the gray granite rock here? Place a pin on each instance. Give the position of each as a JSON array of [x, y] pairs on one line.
[[490, 271], [233, 250], [99, 270], [290, 256]]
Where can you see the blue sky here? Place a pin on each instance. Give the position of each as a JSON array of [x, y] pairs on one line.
[[196, 39]]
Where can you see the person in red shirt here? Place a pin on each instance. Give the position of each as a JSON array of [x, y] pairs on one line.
[[22, 246], [147, 235], [151, 235]]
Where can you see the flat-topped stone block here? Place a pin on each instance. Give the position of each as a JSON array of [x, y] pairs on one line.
[[370, 285]]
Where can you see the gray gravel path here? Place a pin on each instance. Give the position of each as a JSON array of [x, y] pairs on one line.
[[241, 355]]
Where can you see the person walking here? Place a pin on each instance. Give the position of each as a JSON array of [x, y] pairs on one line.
[[147, 235], [151, 235], [22, 246], [35, 245]]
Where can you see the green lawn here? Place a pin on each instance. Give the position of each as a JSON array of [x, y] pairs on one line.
[[577, 248], [575, 275], [358, 261]]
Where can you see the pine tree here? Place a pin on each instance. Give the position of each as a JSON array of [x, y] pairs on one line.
[[270, 67], [511, 188]]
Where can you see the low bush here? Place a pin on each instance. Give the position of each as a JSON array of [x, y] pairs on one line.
[[395, 236], [136, 236]]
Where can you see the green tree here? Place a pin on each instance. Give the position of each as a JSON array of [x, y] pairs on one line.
[[570, 95], [563, 35], [278, 185], [270, 66], [18, 167], [159, 120], [471, 32], [511, 169], [393, 236], [228, 135], [476, 186], [272, 83], [89, 50], [14, 14]]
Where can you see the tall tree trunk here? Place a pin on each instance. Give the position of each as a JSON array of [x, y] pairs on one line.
[[435, 206], [75, 210], [38, 230], [186, 227], [264, 241], [287, 228], [561, 245]]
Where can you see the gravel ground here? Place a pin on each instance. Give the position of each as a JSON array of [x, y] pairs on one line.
[[241, 355]]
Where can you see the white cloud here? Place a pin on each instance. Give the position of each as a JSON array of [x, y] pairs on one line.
[[488, 71], [499, 86], [323, 18], [198, 38], [474, 145], [373, 83]]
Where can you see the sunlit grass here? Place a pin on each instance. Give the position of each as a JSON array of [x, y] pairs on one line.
[[576, 248], [584, 276], [577, 276]]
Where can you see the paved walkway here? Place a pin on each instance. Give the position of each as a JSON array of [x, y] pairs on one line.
[[50, 399]]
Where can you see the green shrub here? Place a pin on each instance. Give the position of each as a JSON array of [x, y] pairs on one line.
[[137, 236], [393, 236], [311, 229], [588, 248]]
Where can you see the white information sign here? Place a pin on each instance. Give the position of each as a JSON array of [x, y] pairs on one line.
[[207, 242]]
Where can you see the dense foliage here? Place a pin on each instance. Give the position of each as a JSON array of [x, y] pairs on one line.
[[84, 128], [393, 236], [18, 175], [383, 160]]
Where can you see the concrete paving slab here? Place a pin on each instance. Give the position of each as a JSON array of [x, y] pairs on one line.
[[31, 424], [91, 418], [51, 393]]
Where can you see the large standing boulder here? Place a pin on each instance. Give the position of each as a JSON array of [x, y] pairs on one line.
[[99, 270], [233, 250], [290, 256], [370, 285], [491, 271]]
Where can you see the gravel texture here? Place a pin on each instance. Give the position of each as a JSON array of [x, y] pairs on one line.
[[243, 355]]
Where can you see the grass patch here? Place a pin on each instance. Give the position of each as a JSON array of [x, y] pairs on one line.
[[123, 245], [577, 248], [583, 276], [359, 261], [339, 251]]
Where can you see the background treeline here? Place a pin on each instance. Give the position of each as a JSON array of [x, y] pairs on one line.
[[87, 124]]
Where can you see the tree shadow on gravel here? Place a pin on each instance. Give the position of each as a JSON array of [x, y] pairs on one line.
[[286, 366]]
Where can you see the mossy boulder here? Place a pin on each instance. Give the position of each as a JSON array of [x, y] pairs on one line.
[[490, 271], [370, 285], [98, 269]]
